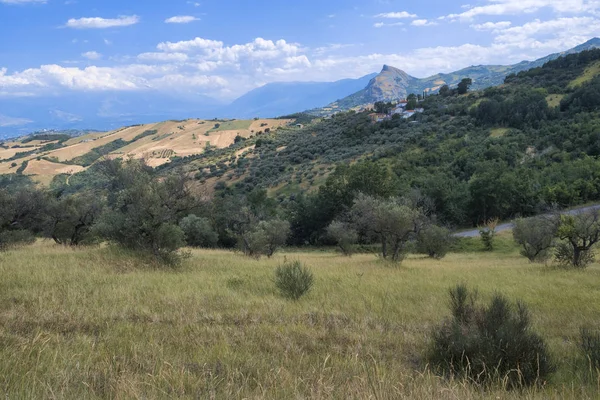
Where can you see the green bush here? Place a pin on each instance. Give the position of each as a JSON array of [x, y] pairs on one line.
[[293, 280], [435, 241], [535, 236], [198, 231], [489, 344]]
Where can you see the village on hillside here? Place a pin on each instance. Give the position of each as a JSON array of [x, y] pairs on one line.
[[386, 111]]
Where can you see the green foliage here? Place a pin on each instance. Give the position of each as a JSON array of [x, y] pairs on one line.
[[435, 241], [22, 215], [392, 222], [463, 85], [536, 236], [344, 235], [490, 344], [293, 280], [579, 233], [69, 219], [198, 231], [144, 212]]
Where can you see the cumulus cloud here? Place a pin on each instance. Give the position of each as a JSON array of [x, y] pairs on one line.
[[492, 26], [181, 19], [422, 22], [396, 15], [516, 7], [383, 24], [92, 55], [102, 23]]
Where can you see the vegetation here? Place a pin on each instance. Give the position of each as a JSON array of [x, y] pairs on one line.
[[493, 344], [293, 280], [536, 236]]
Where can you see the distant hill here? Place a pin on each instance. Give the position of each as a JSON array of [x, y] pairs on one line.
[[275, 99], [394, 84]]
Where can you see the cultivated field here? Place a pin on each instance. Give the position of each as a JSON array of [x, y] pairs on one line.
[[169, 139], [100, 323]]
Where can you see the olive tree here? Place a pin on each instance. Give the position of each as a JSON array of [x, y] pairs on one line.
[[344, 235], [198, 231], [579, 232], [70, 219], [390, 220], [536, 236], [144, 210]]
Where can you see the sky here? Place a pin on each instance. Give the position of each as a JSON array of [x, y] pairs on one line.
[[224, 48]]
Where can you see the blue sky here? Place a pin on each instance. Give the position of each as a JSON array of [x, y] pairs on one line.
[[223, 48]]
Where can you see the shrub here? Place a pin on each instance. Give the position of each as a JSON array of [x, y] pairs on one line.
[[343, 235], [293, 280], [198, 231], [487, 345], [590, 346], [488, 233], [580, 232], [435, 241], [535, 236]]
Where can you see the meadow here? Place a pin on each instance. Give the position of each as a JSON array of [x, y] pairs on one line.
[[101, 323]]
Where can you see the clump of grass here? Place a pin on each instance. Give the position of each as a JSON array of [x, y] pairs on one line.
[[293, 280], [590, 346], [489, 344]]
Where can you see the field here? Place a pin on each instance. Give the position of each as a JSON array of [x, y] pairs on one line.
[[100, 323], [156, 143]]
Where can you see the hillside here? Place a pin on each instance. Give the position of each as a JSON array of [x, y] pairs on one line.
[[46, 155], [394, 84]]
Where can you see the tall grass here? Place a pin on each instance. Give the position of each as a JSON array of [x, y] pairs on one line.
[[101, 323]]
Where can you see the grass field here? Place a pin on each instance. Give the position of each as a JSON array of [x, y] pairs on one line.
[[100, 323]]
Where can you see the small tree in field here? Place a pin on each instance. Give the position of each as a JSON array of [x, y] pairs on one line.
[[579, 233], [344, 235], [487, 233], [435, 241], [536, 236], [293, 280]]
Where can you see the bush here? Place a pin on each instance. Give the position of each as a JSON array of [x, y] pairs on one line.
[[487, 345], [435, 241], [590, 346], [293, 280], [198, 231], [343, 235], [535, 236]]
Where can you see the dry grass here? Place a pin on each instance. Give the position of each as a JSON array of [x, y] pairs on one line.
[[100, 323], [590, 73]]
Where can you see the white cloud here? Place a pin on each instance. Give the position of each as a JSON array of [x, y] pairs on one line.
[[181, 19], [383, 24], [492, 26], [163, 57], [190, 45], [517, 7], [396, 15], [92, 55], [102, 23], [422, 22]]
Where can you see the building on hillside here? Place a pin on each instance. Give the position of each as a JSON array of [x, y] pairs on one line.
[[376, 117]]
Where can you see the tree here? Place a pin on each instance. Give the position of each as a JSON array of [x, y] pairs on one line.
[[70, 219], [344, 235], [536, 236], [382, 107], [391, 221], [22, 214], [275, 232], [412, 101], [579, 232], [198, 231], [445, 91], [487, 232], [434, 241], [464, 85], [144, 211]]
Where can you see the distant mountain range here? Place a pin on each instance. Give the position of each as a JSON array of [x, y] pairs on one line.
[[393, 84], [103, 111]]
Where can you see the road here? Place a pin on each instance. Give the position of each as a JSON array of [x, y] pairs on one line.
[[509, 225]]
